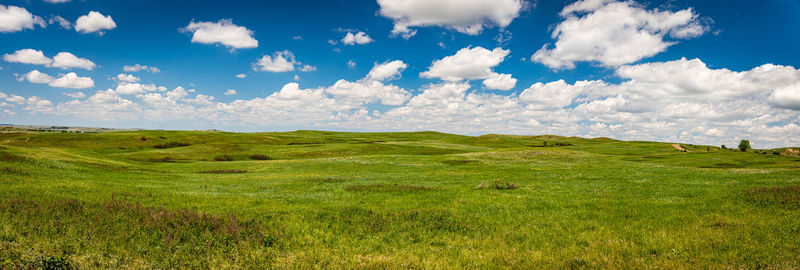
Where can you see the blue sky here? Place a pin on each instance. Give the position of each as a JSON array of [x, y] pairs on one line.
[[691, 71]]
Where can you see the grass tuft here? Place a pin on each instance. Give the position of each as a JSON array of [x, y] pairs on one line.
[[497, 184]]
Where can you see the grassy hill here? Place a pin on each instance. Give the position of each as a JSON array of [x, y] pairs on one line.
[[316, 199]]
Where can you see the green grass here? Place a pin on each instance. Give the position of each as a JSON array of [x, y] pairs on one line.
[[331, 200]]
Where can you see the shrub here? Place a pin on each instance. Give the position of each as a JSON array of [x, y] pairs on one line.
[[260, 157], [724, 147], [143, 138], [55, 263], [223, 158]]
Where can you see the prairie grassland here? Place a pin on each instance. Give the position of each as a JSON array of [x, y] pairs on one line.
[[329, 200]]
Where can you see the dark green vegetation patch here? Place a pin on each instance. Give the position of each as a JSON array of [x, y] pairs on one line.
[[788, 196]]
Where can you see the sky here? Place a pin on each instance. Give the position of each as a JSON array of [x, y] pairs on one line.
[[704, 72]]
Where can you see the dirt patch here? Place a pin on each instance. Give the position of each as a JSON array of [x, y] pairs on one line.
[[679, 147]]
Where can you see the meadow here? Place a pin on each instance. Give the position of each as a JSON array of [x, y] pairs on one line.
[[421, 200]]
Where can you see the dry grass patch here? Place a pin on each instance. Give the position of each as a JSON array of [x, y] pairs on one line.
[[387, 188], [788, 196]]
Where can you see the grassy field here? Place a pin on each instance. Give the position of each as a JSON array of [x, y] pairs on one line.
[[313, 199]]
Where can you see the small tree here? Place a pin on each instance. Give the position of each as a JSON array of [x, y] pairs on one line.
[[723, 147], [744, 145]]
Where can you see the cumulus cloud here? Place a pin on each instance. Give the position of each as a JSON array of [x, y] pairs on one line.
[[786, 97], [36, 77], [138, 67], [72, 80], [15, 19], [241, 75], [223, 32], [94, 22], [359, 38], [127, 78], [500, 82], [137, 88], [282, 61], [473, 64], [387, 70], [613, 33], [465, 16], [230, 92], [69, 80], [63, 60], [28, 56], [351, 64]]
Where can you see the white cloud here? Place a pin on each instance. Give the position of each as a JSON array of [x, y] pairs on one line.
[[56, 1], [387, 70], [15, 19], [223, 32], [241, 75], [136, 88], [615, 33], [351, 64], [786, 97], [500, 82], [230, 92], [28, 56], [473, 64], [308, 68], [94, 22], [138, 67], [64, 23], [36, 77], [557, 94], [359, 38], [127, 78], [467, 64], [282, 61], [75, 95], [71, 80], [465, 16], [65, 60]]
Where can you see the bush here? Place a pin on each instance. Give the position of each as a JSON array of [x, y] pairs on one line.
[[260, 157], [223, 158], [143, 138]]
